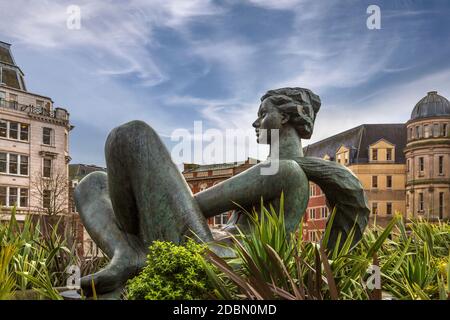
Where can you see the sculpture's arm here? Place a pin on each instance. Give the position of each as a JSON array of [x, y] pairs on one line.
[[247, 188]]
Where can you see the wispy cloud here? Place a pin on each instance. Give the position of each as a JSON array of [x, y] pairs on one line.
[[171, 63]]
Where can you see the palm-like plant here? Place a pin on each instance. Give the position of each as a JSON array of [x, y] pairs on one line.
[[269, 263]]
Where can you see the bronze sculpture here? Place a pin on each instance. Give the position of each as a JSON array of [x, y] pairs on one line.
[[143, 197]]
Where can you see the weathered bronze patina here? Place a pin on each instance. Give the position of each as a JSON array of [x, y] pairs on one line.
[[143, 197]]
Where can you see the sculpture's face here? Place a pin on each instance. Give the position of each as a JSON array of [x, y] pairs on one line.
[[269, 118]]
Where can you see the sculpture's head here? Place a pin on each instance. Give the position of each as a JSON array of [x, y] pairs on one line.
[[279, 108]]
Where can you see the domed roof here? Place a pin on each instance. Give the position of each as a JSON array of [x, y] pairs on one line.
[[433, 105]]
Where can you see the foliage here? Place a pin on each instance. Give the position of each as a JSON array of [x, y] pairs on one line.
[[171, 272], [7, 279], [268, 263], [34, 255]]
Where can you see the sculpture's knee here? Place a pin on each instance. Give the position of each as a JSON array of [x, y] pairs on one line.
[[127, 137], [91, 187]]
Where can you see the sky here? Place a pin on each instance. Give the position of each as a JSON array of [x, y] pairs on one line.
[[173, 62]]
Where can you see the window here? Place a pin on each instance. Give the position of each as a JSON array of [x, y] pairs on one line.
[[13, 163], [13, 100], [389, 154], [389, 182], [374, 154], [13, 197], [23, 197], [441, 164], [314, 235], [3, 196], [23, 132], [389, 208], [221, 219], [417, 132], [374, 181], [421, 205], [47, 136], [421, 164], [3, 128], [46, 196], [374, 208], [408, 164], [13, 130], [436, 130], [24, 165], [47, 168], [3, 162], [426, 130], [312, 214], [411, 133], [324, 212], [441, 205], [444, 129], [2, 95]]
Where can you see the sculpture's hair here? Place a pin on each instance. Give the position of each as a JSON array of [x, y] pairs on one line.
[[300, 104]]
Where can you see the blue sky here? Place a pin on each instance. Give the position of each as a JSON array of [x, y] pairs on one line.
[[171, 63]]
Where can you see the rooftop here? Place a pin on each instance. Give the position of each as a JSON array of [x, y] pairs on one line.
[[358, 140], [432, 105]]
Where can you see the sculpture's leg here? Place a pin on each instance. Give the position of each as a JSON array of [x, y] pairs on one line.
[[149, 195], [144, 198], [126, 250]]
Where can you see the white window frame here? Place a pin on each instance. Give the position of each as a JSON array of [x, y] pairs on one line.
[[19, 131], [223, 219], [324, 212], [43, 167], [312, 213], [19, 163], [52, 136], [19, 202]]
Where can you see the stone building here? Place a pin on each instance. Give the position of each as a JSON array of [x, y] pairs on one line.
[[34, 145], [404, 168], [374, 153], [428, 158]]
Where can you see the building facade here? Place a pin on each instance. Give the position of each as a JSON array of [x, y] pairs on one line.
[[428, 159], [404, 168], [34, 146], [201, 177]]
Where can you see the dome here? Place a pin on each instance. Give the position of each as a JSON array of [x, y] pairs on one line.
[[433, 105]]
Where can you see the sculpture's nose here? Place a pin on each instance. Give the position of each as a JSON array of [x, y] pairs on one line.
[[256, 124]]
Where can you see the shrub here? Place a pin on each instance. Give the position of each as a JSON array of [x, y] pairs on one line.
[[413, 258], [172, 272]]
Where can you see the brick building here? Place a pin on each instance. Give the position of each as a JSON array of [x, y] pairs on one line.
[[201, 177]]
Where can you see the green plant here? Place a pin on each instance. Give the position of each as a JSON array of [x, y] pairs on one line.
[[171, 272], [39, 260], [7, 279], [413, 260]]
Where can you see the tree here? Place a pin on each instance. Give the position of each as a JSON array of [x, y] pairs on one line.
[[50, 191]]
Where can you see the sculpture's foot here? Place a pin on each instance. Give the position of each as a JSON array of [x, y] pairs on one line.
[[124, 265]]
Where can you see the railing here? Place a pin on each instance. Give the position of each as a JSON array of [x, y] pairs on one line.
[[14, 105]]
